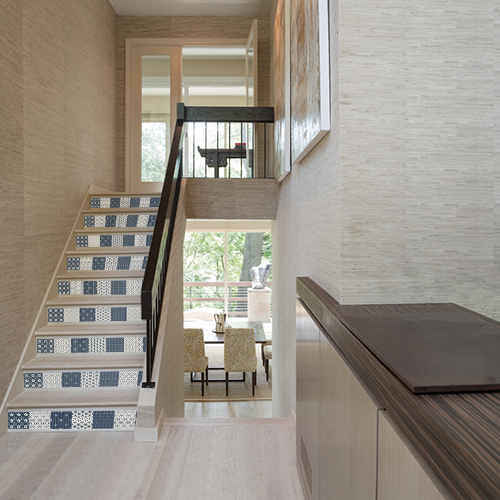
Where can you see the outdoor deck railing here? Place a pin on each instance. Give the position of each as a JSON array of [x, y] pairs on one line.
[[212, 294]]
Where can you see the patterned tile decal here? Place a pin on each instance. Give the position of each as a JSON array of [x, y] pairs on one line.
[[33, 380], [93, 345], [125, 202], [114, 240], [19, 420], [78, 379], [60, 419], [39, 420], [93, 314], [82, 420], [112, 263], [132, 220]]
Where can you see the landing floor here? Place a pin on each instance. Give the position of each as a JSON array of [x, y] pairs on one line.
[[233, 459]]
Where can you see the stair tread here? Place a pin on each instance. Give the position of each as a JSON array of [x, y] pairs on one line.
[[120, 210], [86, 275], [71, 362], [98, 300], [79, 329], [108, 251], [92, 397], [114, 230]]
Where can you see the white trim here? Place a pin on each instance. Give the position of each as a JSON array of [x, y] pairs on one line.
[[288, 115], [133, 105], [254, 41], [324, 77], [136, 47]]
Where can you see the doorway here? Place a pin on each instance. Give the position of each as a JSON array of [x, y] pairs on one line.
[[218, 256], [163, 72]]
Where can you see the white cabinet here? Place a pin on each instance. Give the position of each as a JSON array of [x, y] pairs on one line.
[[347, 447], [400, 475], [308, 402], [348, 431], [336, 421]]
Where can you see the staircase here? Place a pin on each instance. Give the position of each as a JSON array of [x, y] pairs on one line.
[[90, 352]]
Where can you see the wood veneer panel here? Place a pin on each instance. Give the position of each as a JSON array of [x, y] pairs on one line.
[[458, 435], [433, 352]]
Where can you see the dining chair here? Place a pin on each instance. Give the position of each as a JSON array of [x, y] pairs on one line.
[[239, 354], [194, 355], [267, 353]]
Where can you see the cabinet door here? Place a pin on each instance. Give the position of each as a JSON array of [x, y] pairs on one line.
[[400, 475], [348, 431], [308, 387]]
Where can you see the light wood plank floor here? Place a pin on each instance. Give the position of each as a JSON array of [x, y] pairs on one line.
[[233, 459], [229, 409]]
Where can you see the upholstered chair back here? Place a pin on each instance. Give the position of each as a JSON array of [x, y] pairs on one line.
[[239, 350], [194, 350]]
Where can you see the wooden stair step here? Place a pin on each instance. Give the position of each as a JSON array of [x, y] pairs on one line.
[[91, 275], [100, 397], [108, 251], [85, 329], [75, 362], [120, 210], [96, 300], [114, 230]]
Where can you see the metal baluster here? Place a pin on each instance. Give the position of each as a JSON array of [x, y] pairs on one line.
[[229, 133], [194, 148], [216, 173], [265, 150]]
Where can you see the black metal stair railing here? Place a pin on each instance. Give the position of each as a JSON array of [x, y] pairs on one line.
[[155, 275]]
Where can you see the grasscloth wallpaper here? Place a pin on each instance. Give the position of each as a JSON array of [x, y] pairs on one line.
[[57, 136], [185, 27], [400, 202]]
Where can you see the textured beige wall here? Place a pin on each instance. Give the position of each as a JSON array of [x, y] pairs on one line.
[[185, 27], [306, 238], [400, 202], [57, 136], [420, 163]]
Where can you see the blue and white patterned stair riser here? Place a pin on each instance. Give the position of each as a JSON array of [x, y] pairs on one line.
[[130, 287], [125, 202], [123, 419], [112, 240], [82, 379], [111, 263], [94, 314], [91, 345], [119, 220]]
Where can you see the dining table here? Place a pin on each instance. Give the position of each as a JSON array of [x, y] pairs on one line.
[[212, 337]]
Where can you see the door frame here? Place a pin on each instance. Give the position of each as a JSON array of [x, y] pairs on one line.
[[134, 49]]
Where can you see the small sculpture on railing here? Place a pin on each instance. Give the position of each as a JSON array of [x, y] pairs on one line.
[[259, 274]]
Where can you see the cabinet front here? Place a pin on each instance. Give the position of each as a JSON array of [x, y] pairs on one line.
[[308, 393], [348, 432]]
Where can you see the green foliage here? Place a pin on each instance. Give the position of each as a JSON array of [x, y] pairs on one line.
[[204, 261], [154, 151]]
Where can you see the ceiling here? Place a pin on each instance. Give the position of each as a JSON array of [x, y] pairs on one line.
[[252, 8]]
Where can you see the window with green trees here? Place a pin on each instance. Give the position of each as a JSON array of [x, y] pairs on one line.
[[206, 263]]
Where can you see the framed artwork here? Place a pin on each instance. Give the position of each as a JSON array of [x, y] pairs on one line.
[[281, 82], [309, 75]]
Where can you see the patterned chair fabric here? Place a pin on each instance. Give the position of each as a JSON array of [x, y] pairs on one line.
[[194, 351], [239, 350], [267, 354]]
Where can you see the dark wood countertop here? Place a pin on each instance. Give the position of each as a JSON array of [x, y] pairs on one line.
[[458, 434]]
